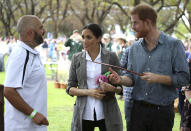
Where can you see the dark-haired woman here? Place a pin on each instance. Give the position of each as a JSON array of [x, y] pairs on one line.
[[94, 106]]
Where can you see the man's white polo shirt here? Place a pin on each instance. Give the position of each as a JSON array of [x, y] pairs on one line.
[[33, 90]]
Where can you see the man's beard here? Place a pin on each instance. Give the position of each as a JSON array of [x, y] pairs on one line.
[[38, 39], [142, 34]]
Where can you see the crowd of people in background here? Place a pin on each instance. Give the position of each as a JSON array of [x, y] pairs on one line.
[[52, 50]]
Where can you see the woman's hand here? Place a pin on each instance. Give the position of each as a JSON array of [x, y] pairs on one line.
[[96, 93], [106, 86]]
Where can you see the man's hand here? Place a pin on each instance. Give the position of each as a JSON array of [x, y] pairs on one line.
[[114, 78], [150, 77], [96, 93], [39, 119]]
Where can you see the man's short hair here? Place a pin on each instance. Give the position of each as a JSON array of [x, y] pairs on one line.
[[26, 22], [145, 11]]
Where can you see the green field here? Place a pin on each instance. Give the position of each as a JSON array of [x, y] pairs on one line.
[[60, 108]]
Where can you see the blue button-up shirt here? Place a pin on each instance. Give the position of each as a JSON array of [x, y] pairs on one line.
[[166, 58]]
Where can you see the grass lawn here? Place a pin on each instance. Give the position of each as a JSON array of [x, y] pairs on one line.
[[60, 108]]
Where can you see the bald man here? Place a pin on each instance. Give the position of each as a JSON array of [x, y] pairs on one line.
[[25, 83]]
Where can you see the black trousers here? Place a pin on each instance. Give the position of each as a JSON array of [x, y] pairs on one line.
[[149, 117], [90, 125]]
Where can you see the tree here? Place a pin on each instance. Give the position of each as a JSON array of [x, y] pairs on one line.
[[187, 17], [94, 11], [11, 10], [7, 16], [65, 15], [57, 13]]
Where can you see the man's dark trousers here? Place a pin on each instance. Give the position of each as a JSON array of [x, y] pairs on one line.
[[150, 117]]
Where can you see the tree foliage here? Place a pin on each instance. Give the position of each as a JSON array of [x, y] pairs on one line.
[[63, 16]]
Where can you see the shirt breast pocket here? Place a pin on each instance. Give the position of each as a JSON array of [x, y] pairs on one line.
[[164, 64]]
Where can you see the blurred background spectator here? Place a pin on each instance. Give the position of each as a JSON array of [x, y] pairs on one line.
[[75, 44]]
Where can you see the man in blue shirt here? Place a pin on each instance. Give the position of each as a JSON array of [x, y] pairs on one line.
[[161, 61]]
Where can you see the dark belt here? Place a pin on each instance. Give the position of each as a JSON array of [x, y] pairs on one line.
[[146, 104]]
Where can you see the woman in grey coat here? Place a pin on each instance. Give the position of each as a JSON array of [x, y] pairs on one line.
[[95, 106]]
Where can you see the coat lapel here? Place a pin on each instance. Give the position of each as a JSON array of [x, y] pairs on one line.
[[83, 69], [105, 59]]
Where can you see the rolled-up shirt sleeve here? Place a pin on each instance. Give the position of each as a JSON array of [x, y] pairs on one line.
[[129, 65], [131, 76], [180, 76]]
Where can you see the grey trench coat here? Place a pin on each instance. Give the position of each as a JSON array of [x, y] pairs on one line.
[[78, 79]]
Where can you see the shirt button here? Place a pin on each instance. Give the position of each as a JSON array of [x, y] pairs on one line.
[[148, 69], [146, 94], [149, 56]]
